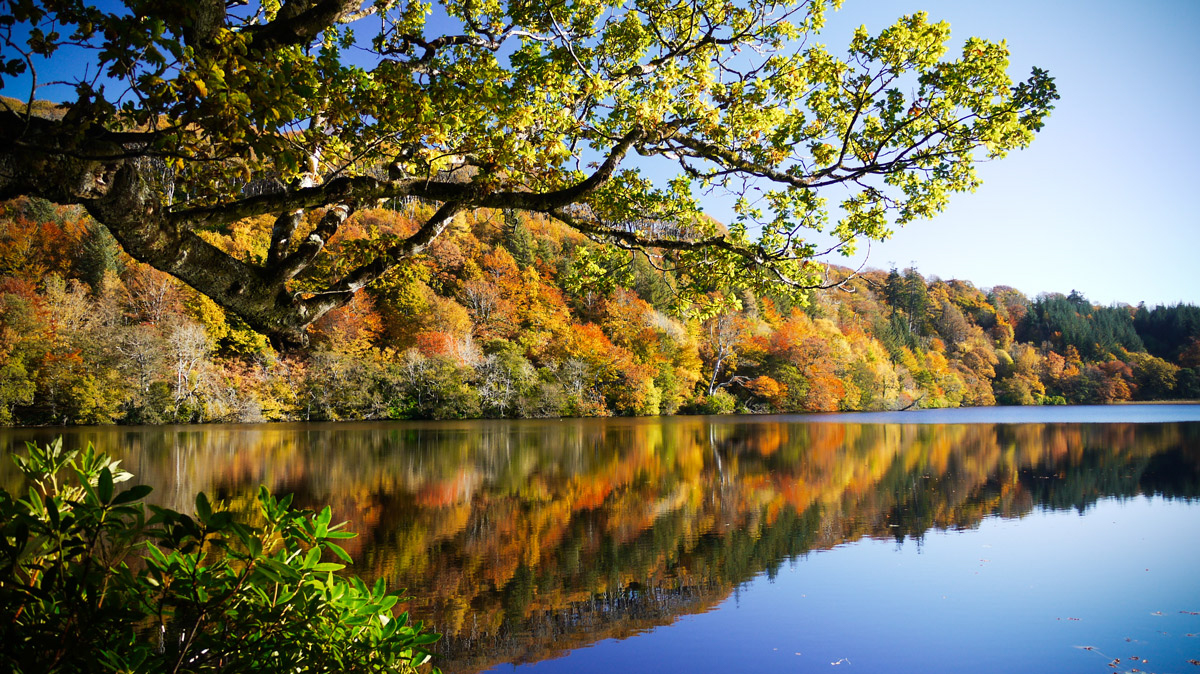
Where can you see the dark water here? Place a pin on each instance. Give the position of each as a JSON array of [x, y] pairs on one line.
[[1051, 542]]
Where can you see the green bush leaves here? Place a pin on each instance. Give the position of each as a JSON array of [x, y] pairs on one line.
[[89, 583]]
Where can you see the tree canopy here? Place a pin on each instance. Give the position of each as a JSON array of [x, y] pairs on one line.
[[189, 116]]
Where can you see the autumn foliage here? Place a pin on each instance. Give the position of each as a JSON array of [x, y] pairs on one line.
[[517, 316]]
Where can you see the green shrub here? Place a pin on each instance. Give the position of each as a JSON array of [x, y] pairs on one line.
[[89, 583], [720, 402]]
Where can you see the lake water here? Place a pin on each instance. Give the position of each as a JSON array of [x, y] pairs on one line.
[[996, 540]]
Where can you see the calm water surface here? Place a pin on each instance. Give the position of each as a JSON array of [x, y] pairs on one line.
[[1012, 539]]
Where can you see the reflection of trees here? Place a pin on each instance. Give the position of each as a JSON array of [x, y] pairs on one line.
[[520, 539]]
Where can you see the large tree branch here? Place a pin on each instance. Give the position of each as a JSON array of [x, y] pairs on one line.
[[286, 223], [341, 292], [367, 189], [636, 240], [285, 269], [299, 22], [203, 21], [38, 156], [360, 189], [432, 47], [281, 235]]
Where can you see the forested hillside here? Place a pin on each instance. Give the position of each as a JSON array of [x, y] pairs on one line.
[[510, 315]]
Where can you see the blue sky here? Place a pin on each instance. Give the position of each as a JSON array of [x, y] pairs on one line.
[[1106, 199]]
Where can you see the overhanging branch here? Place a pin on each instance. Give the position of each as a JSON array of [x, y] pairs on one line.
[[367, 189]]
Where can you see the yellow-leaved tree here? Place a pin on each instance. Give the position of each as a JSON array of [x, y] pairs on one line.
[[189, 116]]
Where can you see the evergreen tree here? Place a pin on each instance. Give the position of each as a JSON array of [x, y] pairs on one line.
[[916, 300], [98, 255], [1167, 330], [893, 289], [517, 240]]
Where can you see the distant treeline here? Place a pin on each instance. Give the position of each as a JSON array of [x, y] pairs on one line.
[[515, 316]]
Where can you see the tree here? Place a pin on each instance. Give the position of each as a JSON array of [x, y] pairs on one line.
[[1073, 321], [505, 379], [518, 241], [1168, 331], [723, 333], [205, 113], [952, 325], [1156, 378], [24, 331]]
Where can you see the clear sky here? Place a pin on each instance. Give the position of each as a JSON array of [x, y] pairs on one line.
[[1107, 199]]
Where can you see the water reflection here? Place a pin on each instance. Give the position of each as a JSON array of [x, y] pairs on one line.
[[521, 540]]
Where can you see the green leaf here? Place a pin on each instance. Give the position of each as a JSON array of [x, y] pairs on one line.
[[323, 522], [104, 488], [156, 554], [134, 493], [270, 574], [203, 509], [220, 520], [341, 553], [282, 570], [89, 493], [51, 510]]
